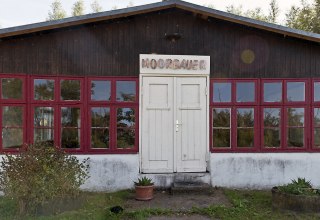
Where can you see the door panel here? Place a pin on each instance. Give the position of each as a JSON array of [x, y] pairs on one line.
[[191, 130], [157, 125]]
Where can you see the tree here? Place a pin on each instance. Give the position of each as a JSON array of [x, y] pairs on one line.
[[78, 8], [96, 7], [273, 11], [56, 12], [305, 17]]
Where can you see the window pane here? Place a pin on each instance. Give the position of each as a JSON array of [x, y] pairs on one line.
[[295, 116], [100, 138], [272, 92], [245, 137], [222, 92], [316, 92], [100, 117], [221, 117], [100, 90], [43, 117], [70, 117], [316, 117], [125, 138], [295, 91], [70, 90], [221, 137], [126, 91], [43, 89], [271, 117], [245, 117], [295, 137], [316, 137], [43, 135], [12, 137], [126, 127], [70, 138], [12, 116], [272, 137], [12, 88], [245, 92]]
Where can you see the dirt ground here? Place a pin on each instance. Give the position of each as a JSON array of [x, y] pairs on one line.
[[180, 202]]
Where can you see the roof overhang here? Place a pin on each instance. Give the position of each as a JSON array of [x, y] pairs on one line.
[[126, 12]]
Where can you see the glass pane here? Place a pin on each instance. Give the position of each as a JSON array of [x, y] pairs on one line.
[[12, 116], [316, 117], [221, 137], [126, 91], [125, 138], [43, 89], [295, 116], [70, 90], [12, 137], [295, 137], [43, 135], [100, 138], [221, 117], [222, 92], [245, 92], [70, 138], [295, 91], [316, 137], [100, 90], [272, 92], [316, 92], [125, 117], [12, 88], [245, 137], [271, 117], [272, 137], [70, 117], [245, 117], [100, 117], [43, 117]]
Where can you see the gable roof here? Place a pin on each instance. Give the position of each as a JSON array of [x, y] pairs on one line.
[[89, 18]]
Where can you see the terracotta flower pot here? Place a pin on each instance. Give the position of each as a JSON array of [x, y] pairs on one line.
[[144, 192]]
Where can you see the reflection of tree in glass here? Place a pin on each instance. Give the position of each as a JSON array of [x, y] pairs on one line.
[[295, 133], [100, 120], [70, 89], [271, 131], [11, 88], [245, 131], [126, 127], [12, 120], [221, 127], [70, 127], [44, 90]]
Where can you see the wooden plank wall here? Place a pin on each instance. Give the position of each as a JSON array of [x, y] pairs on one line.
[[112, 48]]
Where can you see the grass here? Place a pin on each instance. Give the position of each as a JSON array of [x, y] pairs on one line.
[[245, 205]]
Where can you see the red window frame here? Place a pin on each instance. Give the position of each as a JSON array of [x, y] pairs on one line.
[[313, 105], [234, 105]]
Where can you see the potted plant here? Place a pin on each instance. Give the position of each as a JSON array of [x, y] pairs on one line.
[[144, 189]]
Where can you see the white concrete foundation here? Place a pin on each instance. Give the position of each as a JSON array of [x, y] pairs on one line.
[[263, 170]]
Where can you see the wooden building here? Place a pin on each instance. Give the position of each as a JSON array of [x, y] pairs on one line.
[[171, 90]]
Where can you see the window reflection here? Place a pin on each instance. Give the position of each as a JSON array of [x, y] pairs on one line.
[[100, 90], [12, 126], [316, 91], [70, 127], [221, 127], [100, 120], [125, 127], [43, 89], [245, 91], [272, 92], [126, 91], [245, 127], [70, 90], [295, 91], [222, 92], [12, 88]]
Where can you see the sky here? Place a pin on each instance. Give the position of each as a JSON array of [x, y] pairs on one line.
[[21, 12]]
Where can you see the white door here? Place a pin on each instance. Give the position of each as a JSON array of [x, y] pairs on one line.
[[173, 124]]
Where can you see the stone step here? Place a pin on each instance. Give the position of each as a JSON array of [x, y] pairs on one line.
[[188, 187]]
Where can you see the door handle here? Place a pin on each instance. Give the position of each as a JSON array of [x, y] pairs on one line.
[[177, 125]]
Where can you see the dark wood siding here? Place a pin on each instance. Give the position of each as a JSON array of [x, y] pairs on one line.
[[112, 48]]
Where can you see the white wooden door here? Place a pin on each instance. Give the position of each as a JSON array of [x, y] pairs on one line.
[[173, 124], [157, 133], [191, 124]]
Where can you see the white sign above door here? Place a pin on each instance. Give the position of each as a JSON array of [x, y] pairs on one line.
[[174, 64]]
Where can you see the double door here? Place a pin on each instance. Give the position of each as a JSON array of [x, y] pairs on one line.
[[173, 124]]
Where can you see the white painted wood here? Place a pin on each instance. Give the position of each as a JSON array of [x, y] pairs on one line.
[[157, 125], [191, 126], [174, 64], [173, 131]]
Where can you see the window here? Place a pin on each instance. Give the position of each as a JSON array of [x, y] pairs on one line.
[[221, 131], [100, 127], [221, 92], [272, 127]]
